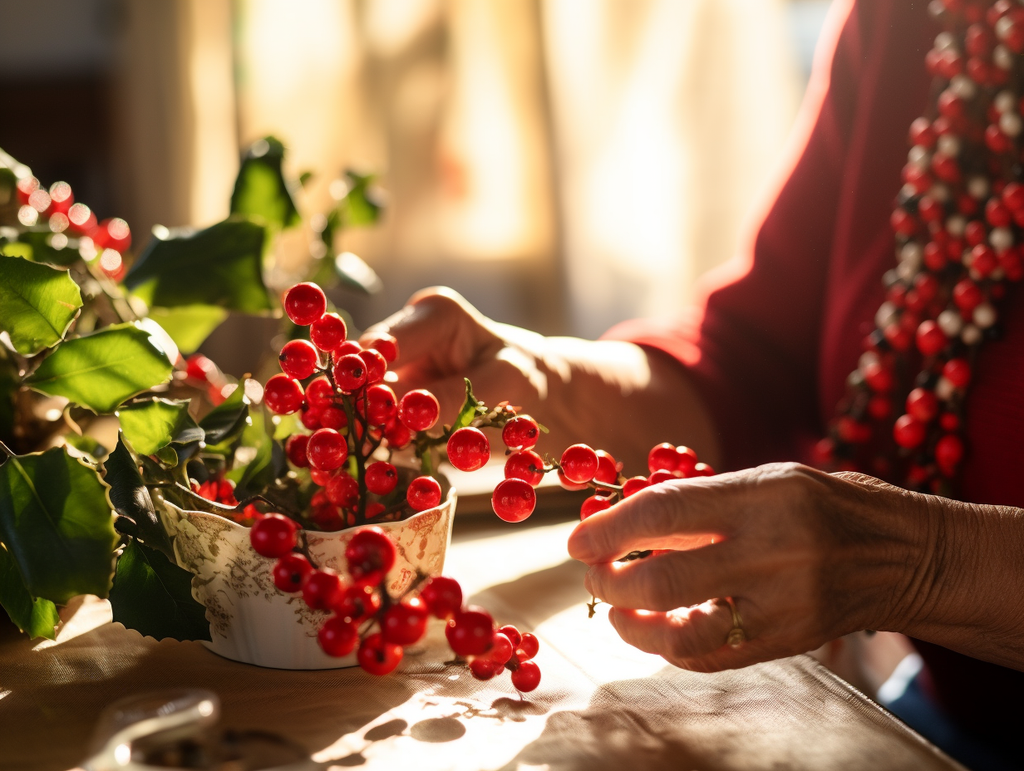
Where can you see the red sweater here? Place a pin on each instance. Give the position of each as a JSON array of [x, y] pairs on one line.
[[782, 326]]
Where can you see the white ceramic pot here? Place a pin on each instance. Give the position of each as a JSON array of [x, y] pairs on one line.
[[251, 620]]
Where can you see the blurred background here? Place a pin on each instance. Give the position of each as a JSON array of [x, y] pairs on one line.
[[565, 164]]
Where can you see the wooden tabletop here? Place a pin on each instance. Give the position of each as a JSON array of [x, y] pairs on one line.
[[600, 704]]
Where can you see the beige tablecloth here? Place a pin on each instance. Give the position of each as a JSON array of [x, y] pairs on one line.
[[600, 704]]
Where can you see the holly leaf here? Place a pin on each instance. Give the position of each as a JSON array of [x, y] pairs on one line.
[[227, 420], [356, 274], [153, 596], [471, 408], [189, 325], [33, 615], [130, 498], [101, 370], [220, 266], [37, 304], [57, 525], [261, 189], [37, 244], [85, 446], [151, 424], [266, 465], [362, 204]]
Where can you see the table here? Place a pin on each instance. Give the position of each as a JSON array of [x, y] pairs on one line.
[[600, 704]]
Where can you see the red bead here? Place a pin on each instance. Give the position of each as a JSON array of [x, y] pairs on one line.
[[975, 233], [328, 332], [902, 222], [342, 490], [290, 572], [979, 41], [443, 596], [1012, 264], [930, 339], [419, 410], [934, 256], [405, 623], [305, 303], [948, 421], [282, 395], [957, 372], [949, 451], [370, 555], [980, 71], [376, 365], [423, 493], [594, 504], [377, 656], [879, 407], [381, 477], [470, 632], [298, 359], [322, 589], [526, 677], [921, 133], [1013, 196], [852, 431], [381, 404], [608, 470], [922, 404], [633, 485], [878, 378], [350, 372], [338, 637], [326, 449], [951, 105], [967, 295], [930, 209], [295, 449], [520, 433], [919, 179], [983, 259], [386, 345], [273, 535], [899, 338], [996, 140], [824, 452], [333, 417], [320, 393], [908, 431], [926, 286], [468, 449], [703, 470], [579, 463], [513, 499], [946, 167], [997, 213]]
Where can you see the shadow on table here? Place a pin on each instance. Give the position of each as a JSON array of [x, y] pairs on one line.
[[535, 597]]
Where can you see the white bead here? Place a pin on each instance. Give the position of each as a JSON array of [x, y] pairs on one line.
[[956, 225], [906, 271], [918, 155], [949, 145], [1005, 101], [984, 315], [885, 314], [945, 389], [1001, 239], [963, 86], [971, 335], [975, 276], [913, 253], [1010, 124], [939, 192], [978, 187], [936, 8], [1003, 27], [945, 40], [867, 359], [908, 191], [1003, 57], [950, 322], [967, 258]]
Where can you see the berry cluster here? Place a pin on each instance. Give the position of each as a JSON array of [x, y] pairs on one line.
[[366, 619], [56, 208]]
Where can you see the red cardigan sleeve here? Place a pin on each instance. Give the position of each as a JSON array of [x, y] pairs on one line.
[[752, 348]]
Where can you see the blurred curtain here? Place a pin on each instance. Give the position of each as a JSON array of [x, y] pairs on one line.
[[563, 163]]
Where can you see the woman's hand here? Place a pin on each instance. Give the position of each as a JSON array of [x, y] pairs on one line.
[[806, 556], [609, 394]]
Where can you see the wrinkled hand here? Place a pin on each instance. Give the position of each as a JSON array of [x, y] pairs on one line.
[[806, 556]]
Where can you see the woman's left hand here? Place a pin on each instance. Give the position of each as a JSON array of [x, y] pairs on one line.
[[805, 556]]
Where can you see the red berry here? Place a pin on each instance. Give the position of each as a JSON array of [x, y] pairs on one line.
[[967, 295], [319, 393], [526, 677], [922, 404], [878, 377], [949, 451], [579, 463], [520, 433], [633, 485], [686, 459], [322, 589], [528, 647], [310, 416], [419, 410], [350, 372], [81, 220], [377, 656], [442, 596], [290, 571], [525, 465], [342, 490], [703, 470], [357, 603], [908, 431], [423, 493], [61, 198], [662, 456], [607, 468], [484, 669], [404, 623], [328, 332], [381, 477], [513, 500], [282, 395], [468, 449], [501, 649], [273, 536], [386, 345], [659, 476], [470, 632], [326, 449], [333, 417], [338, 637], [381, 404], [305, 303], [370, 555], [566, 484], [513, 634], [25, 187], [594, 504], [298, 359], [376, 365], [930, 338], [295, 449], [397, 434], [113, 234]]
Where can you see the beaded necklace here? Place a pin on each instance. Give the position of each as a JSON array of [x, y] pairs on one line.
[[958, 222]]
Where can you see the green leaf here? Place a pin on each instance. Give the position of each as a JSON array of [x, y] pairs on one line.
[[267, 464], [86, 445], [356, 274], [154, 596], [10, 379], [189, 325], [219, 266], [151, 424], [37, 304], [130, 498], [57, 525], [260, 187], [471, 408], [362, 204], [228, 420], [33, 615], [103, 369], [40, 240]]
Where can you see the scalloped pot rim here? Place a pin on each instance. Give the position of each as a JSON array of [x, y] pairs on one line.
[[254, 622]]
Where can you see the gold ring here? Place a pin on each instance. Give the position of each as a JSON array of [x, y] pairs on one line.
[[736, 636]]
